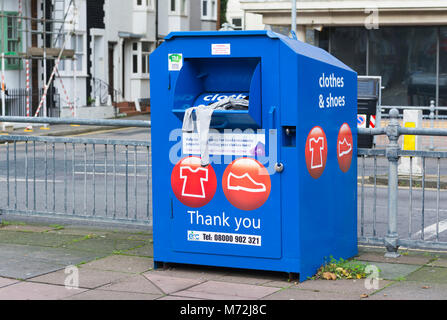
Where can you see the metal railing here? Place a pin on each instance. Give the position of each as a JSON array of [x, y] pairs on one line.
[[102, 91], [73, 177], [420, 196], [16, 102], [428, 112], [110, 180]]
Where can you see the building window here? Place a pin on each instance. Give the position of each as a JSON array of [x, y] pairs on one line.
[[12, 45], [77, 44], [183, 7], [405, 58], [135, 54], [349, 45], [178, 7], [205, 8], [213, 9], [145, 52], [209, 9], [237, 23], [140, 57], [144, 4]]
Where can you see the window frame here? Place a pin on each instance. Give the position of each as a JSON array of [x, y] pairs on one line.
[[6, 40], [135, 55], [67, 68], [180, 7], [146, 5], [82, 53], [211, 11], [139, 55], [145, 55], [237, 27]]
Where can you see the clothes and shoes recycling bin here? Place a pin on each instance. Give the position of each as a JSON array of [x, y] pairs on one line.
[[254, 150]]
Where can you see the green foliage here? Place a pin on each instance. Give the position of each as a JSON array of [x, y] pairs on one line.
[[341, 269], [90, 101], [57, 226], [5, 223], [223, 11]]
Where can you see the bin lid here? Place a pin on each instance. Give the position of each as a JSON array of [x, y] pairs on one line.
[[176, 34], [297, 46]]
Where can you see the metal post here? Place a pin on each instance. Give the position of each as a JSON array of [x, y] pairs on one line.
[[3, 65], [75, 80], [392, 149], [45, 110], [3, 87], [293, 26], [432, 123], [75, 61], [438, 36]]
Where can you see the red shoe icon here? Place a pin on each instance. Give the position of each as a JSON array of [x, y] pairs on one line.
[[344, 148], [244, 183]]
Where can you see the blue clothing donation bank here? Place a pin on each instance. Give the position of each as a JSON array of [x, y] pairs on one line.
[[254, 152]]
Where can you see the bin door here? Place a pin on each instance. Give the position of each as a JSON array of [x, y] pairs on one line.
[[226, 209]]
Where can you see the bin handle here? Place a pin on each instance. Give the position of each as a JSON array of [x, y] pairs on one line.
[[293, 34]]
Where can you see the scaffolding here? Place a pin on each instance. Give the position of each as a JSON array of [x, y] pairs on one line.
[[55, 32]]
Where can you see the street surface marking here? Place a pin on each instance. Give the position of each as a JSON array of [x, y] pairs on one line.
[[430, 231]]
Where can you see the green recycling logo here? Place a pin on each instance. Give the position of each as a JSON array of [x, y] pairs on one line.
[[175, 61]]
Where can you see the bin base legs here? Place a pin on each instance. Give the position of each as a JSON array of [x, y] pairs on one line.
[[391, 254], [161, 265], [293, 276]]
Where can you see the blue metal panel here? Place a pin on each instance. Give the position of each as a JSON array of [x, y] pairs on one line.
[[305, 217], [328, 205]]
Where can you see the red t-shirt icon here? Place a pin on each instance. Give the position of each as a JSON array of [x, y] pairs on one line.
[[193, 185], [316, 147], [194, 181], [316, 152]]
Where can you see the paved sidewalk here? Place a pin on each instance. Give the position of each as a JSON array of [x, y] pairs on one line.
[[117, 264]]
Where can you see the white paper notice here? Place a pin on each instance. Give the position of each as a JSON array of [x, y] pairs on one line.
[[220, 49], [239, 144]]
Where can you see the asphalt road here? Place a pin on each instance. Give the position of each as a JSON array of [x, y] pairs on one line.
[[88, 183]]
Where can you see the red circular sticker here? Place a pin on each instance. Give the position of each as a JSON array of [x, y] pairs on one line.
[[344, 147], [246, 184], [193, 185], [316, 152]]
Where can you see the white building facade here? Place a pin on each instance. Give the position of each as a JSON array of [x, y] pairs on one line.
[[241, 19], [111, 41]]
